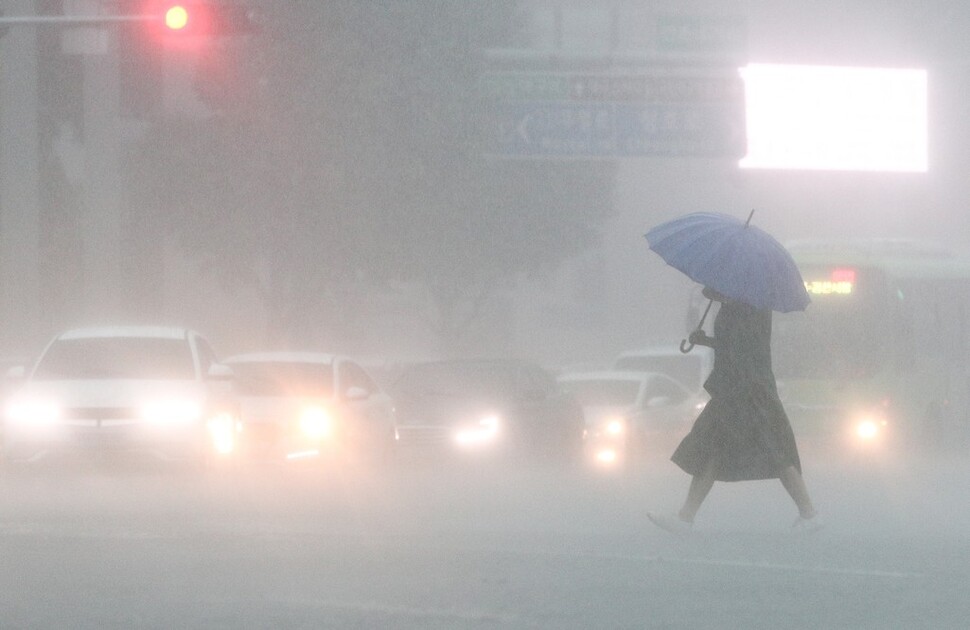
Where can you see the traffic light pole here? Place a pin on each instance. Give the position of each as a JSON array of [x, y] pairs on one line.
[[70, 20], [219, 19], [33, 298], [74, 20]]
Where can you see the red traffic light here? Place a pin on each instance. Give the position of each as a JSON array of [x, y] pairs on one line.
[[176, 17], [198, 19]]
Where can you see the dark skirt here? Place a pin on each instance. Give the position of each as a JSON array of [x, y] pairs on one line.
[[746, 436]]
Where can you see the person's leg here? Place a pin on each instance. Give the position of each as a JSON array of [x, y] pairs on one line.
[[700, 486], [795, 485]]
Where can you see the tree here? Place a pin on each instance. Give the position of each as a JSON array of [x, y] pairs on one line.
[[345, 147]]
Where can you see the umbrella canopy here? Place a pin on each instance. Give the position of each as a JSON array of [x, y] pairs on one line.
[[735, 259]]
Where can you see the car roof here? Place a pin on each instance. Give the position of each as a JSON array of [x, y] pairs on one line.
[[99, 332], [654, 351], [483, 361], [612, 375], [284, 357]]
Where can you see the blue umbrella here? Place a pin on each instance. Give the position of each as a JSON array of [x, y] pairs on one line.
[[738, 260]]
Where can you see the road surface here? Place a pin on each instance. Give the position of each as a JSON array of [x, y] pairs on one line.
[[429, 546]]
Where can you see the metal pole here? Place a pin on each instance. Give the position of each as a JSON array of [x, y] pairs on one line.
[[74, 20]]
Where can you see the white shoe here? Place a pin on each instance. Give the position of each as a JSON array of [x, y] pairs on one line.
[[807, 525], [671, 523]]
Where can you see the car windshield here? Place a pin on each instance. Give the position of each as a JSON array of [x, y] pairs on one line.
[[603, 392], [279, 378], [461, 379], [117, 358]]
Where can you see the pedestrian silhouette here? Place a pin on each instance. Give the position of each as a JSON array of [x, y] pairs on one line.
[[743, 433]]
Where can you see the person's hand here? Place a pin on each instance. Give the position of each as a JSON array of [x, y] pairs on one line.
[[711, 294], [698, 338]]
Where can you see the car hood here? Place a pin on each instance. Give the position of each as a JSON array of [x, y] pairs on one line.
[[263, 409], [447, 410], [110, 393]]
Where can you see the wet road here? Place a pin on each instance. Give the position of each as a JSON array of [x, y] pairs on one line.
[[479, 547]]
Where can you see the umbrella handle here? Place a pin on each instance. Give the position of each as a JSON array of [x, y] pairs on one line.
[[686, 346]]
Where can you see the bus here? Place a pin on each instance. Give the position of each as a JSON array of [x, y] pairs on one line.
[[879, 359]]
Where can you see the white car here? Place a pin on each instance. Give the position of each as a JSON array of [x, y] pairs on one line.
[[629, 413], [304, 405], [689, 369], [152, 390]]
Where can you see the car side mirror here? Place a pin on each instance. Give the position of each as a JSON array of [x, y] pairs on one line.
[[220, 372], [356, 393]]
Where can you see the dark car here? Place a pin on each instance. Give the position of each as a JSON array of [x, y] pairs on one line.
[[487, 406]]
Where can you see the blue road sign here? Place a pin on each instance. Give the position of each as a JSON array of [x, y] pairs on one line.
[[602, 129]]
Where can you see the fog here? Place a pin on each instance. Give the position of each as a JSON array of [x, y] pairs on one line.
[[474, 547], [310, 184], [332, 181]]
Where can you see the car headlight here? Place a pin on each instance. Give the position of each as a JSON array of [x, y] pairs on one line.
[[607, 456], [174, 411], [222, 430], [33, 411], [869, 428], [315, 422], [613, 427], [484, 431]]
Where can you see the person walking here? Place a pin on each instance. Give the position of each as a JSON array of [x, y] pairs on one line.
[[743, 433]]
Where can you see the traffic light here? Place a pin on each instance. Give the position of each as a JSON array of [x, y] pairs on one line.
[[196, 21], [176, 18]]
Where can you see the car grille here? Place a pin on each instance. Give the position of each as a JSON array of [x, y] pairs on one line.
[[423, 435], [101, 413], [263, 431]]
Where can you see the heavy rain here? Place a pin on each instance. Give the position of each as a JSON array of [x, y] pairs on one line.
[[341, 315]]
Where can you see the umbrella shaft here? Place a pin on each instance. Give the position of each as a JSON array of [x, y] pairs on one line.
[[685, 346], [707, 310]]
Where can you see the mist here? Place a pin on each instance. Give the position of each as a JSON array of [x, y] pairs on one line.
[[374, 181], [335, 197]]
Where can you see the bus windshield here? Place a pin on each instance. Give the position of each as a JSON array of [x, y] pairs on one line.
[[844, 334]]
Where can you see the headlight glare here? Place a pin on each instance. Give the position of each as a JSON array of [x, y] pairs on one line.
[[607, 456], [33, 411], [315, 422], [222, 431], [867, 429], [484, 431]]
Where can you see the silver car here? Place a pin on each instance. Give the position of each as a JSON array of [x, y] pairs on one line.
[[630, 414], [303, 405]]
